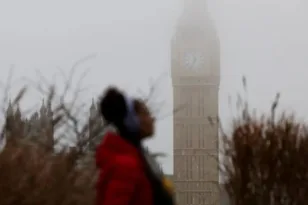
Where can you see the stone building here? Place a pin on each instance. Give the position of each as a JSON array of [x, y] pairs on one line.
[[195, 68], [38, 128], [96, 125]]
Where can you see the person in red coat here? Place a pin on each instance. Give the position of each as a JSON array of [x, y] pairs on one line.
[[126, 177]]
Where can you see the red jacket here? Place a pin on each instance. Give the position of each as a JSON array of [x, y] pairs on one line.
[[122, 180]]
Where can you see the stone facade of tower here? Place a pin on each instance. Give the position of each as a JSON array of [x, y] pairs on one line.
[[195, 79]]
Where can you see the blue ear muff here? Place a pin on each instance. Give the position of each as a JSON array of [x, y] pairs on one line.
[[131, 121]]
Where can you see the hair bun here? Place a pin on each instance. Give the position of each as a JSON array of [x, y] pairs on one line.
[[112, 105]]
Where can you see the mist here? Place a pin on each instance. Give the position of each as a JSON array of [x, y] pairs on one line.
[[129, 44]]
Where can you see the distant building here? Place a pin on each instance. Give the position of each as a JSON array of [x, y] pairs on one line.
[[39, 128], [195, 68], [96, 125]]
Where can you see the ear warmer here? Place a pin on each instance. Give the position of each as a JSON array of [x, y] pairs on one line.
[[131, 121]]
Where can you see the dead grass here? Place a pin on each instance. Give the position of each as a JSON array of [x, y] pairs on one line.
[[266, 159], [29, 175], [32, 172]]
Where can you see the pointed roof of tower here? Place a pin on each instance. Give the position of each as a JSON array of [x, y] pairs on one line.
[[196, 30], [18, 112], [49, 110], [10, 109], [34, 116], [93, 104], [43, 107], [195, 15], [195, 7], [93, 110]]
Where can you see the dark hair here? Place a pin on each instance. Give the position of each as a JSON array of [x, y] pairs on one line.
[[113, 106], [113, 110]]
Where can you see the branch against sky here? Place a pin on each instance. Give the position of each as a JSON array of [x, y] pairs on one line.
[[70, 113]]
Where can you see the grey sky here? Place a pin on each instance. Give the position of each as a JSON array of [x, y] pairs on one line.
[[265, 40]]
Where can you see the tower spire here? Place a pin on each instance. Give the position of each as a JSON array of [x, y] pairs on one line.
[[195, 5], [18, 112], [194, 14], [93, 110], [194, 10], [10, 109]]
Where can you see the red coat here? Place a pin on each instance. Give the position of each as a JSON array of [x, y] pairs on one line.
[[122, 180]]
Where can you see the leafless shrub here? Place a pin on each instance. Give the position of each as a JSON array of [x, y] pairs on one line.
[[32, 171], [37, 166], [265, 159], [31, 175]]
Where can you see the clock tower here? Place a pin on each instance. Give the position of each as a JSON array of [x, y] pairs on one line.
[[195, 77]]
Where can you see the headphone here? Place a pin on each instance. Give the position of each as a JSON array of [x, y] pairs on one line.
[[131, 120]]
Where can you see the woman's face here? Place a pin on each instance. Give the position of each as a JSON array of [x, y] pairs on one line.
[[147, 121]]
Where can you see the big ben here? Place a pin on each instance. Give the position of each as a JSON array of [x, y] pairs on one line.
[[195, 69]]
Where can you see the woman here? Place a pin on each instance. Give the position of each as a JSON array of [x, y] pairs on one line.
[[126, 175]]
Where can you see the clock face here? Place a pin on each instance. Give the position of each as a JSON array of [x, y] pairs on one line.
[[193, 60]]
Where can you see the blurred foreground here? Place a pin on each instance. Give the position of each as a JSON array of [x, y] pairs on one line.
[[265, 158]]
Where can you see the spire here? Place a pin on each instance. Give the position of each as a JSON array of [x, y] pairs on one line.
[[34, 116], [18, 113], [93, 104], [93, 110], [194, 13], [49, 109], [196, 34], [43, 108], [10, 109], [195, 6]]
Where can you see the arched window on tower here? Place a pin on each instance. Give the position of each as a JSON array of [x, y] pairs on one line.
[[201, 167], [194, 102], [190, 102], [192, 135], [200, 135], [177, 135], [200, 138], [197, 103], [190, 166], [185, 99], [203, 97], [201, 102], [205, 104], [183, 136], [187, 136], [204, 136]]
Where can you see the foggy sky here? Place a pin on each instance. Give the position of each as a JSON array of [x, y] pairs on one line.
[[265, 40]]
